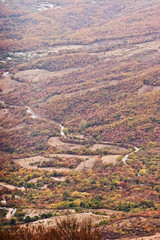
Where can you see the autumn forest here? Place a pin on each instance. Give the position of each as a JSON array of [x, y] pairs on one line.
[[80, 118]]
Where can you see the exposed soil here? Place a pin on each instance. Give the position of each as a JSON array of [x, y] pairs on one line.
[[33, 180], [146, 88], [112, 148], [9, 186], [153, 237], [7, 84], [32, 162], [139, 50], [38, 75], [59, 179], [36, 212], [79, 216], [87, 165], [110, 159], [57, 143], [27, 163], [57, 48], [84, 157]]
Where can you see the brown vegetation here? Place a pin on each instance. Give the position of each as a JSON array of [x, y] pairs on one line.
[[92, 66], [66, 229]]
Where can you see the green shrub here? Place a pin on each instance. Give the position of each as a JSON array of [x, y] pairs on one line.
[[12, 221], [157, 188]]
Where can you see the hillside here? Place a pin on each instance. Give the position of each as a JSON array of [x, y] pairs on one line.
[[80, 113]]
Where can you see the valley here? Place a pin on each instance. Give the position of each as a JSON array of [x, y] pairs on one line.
[[79, 115]]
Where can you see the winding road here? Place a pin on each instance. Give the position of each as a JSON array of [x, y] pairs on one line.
[[30, 111], [10, 213], [85, 163], [34, 116], [124, 159], [62, 132]]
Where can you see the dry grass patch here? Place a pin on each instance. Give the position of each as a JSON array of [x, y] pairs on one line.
[[110, 159], [66, 229]]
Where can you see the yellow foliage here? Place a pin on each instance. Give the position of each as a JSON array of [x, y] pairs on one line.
[[76, 194], [143, 172]]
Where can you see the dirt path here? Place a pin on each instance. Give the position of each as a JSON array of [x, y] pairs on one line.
[[11, 212], [57, 143], [62, 131], [9, 186], [59, 179], [30, 111], [124, 159], [152, 237]]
